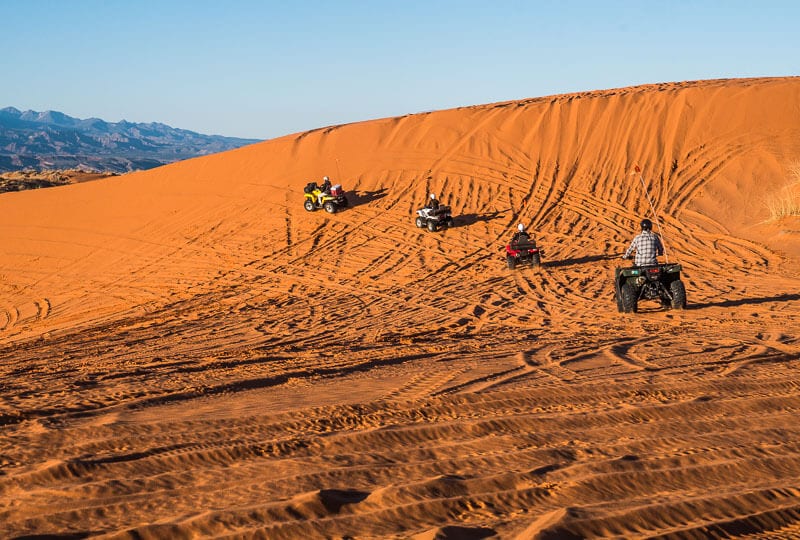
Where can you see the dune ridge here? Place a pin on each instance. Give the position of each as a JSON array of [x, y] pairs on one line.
[[187, 352]]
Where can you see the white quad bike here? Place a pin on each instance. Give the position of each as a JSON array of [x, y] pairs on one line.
[[433, 219]]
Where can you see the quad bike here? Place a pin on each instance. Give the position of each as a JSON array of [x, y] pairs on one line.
[[433, 219], [331, 201], [523, 252], [660, 282]]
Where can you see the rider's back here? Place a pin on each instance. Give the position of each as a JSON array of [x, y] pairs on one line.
[[648, 248]]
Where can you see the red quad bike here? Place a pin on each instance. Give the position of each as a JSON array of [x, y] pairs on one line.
[[661, 282], [523, 252]]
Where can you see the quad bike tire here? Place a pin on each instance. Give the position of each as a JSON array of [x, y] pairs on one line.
[[420, 222], [309, 206], [628, 300], [536, 260], [329, 207], [511, 262], [678, 294], [431, 225]]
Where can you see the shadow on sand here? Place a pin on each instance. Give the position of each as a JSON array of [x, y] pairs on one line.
[[465, 220], [579, 260], [785, 297], [365, 197]]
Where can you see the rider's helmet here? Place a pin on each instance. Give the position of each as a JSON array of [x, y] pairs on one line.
[[647, 225], [520, 227], [325, 179], [433, 196]]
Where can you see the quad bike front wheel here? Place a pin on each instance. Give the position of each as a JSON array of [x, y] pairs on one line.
[[431, 225], [309, 206], [535, 260], [420, 222], [678, 294], [511, 262]]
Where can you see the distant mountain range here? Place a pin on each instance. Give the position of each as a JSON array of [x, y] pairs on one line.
[[54, 140]]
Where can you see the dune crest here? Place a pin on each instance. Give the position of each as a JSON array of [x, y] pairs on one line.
[[186, 351]]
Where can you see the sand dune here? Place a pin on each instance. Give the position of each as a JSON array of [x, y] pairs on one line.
[[186, 352]]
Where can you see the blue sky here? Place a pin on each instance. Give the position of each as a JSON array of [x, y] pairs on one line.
[[263, 69]]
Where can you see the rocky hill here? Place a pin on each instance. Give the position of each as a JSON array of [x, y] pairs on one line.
[[30, 179], [54, 140]]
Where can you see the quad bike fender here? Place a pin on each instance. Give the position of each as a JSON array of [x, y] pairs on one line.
[[316, 193], [667, 268]]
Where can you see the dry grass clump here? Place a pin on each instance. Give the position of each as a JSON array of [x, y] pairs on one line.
[[786, 202]]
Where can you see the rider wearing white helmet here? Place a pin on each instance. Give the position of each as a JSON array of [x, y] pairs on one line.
[[520, 235], [433, 204], [325, 188]]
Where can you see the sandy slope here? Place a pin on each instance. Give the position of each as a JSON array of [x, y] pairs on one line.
[[186, 352]]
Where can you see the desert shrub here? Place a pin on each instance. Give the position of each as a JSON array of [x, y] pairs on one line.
[[786, 202], [794, 172]]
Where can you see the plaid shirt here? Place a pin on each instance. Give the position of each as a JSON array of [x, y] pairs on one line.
[[647, 245]]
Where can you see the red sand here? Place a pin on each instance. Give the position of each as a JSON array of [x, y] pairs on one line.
[[186, 352]]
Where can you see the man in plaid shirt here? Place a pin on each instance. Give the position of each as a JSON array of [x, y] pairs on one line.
[[647, 246]]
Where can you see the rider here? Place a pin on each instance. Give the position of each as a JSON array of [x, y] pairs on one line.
[[647, 246], [433, 204], [326, 184], [521, 235], [325, 188]]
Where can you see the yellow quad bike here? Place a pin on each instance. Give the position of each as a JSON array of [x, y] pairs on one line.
[[331, 201]]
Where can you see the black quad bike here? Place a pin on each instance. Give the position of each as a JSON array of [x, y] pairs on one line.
[[661, 282]]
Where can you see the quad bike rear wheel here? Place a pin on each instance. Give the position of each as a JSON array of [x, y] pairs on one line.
[[329, 207], [511, 262], [678, 294], [628, 298], [535, 260], [308, 205]]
